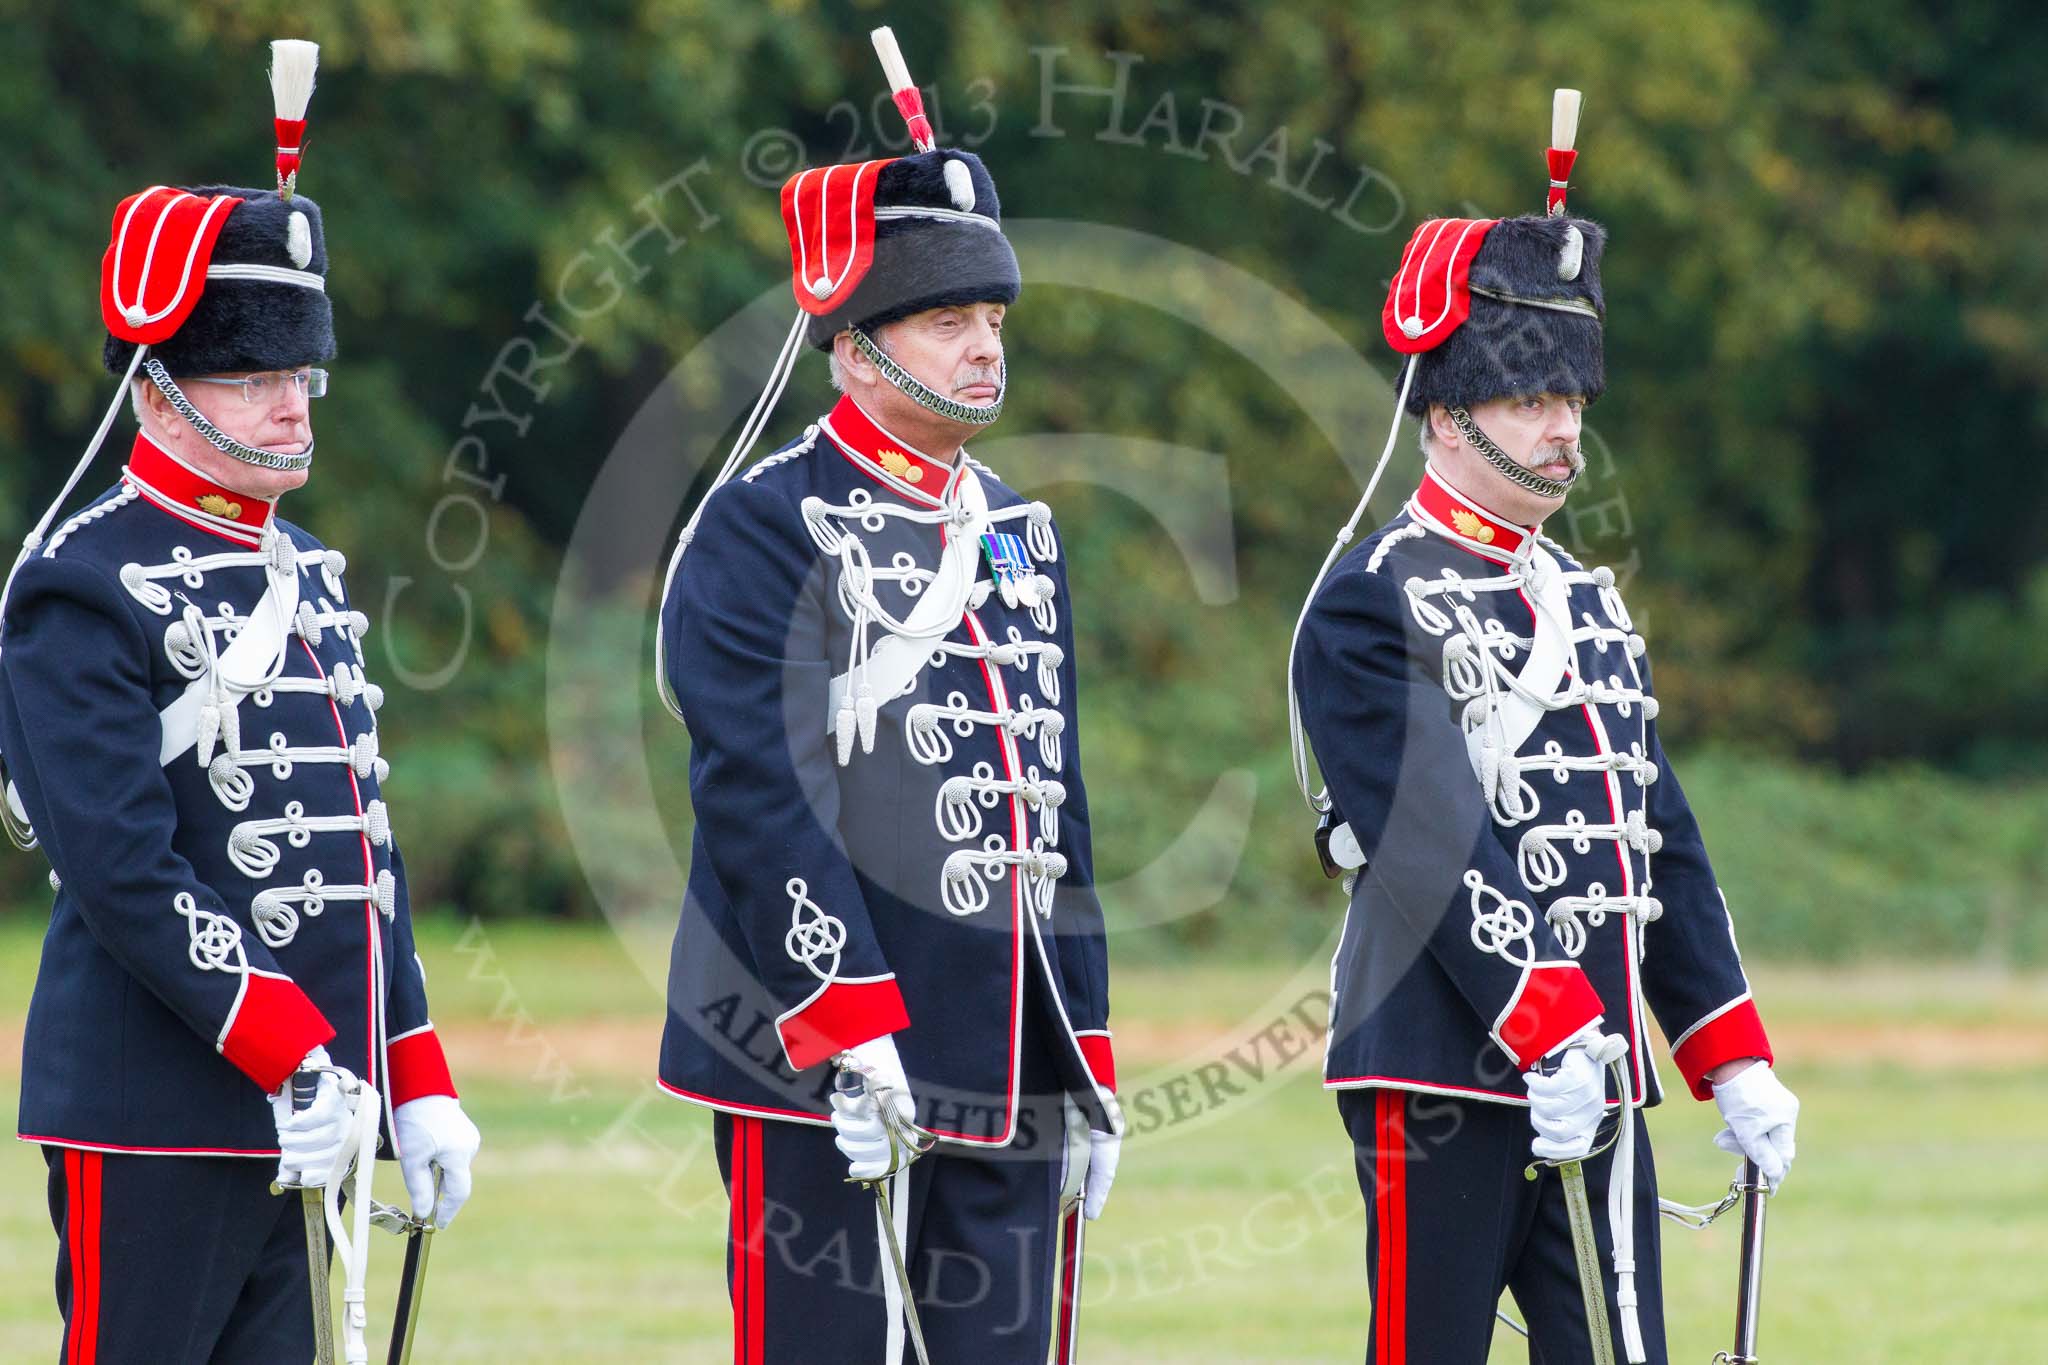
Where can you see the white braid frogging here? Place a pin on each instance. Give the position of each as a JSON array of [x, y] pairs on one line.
[[1479, 670], [929, 730], [193, 645]]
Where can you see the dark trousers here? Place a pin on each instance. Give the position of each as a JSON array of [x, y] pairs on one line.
[[170, 1260], [993, 1261], [1452, 1222]]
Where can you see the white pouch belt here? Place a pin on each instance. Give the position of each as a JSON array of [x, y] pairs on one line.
[[250, 655], [894, 662]]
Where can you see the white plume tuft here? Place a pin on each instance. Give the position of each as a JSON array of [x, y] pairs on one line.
[[894, 69], [292, 63], [1564, 119]]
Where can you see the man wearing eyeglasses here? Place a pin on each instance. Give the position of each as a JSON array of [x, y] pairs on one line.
[[268, 410], [190, 737]]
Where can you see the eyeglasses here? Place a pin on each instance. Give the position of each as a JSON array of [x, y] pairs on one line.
[[259, 389]]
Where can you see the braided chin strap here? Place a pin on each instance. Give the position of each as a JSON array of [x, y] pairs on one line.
[[215, 437], [923, 396], [1505, 463]]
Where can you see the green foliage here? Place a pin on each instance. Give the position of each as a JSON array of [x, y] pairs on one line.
[[1828, 382]]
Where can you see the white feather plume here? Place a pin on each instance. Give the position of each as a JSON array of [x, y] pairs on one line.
[[292, 63], [1564, 119], [894, 69]]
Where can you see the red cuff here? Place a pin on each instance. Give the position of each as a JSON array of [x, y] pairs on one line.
[[1554, 1002], [418, 1067], [844, 1013], [1736, 1032], [273, 1030], [1101, 1058]]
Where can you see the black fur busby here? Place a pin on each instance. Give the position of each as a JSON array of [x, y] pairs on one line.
[[929, 262], [242, 324], [1512, 343]]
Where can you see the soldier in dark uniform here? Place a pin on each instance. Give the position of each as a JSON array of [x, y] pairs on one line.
[[870, 639], [1524, 872], [189, 733]]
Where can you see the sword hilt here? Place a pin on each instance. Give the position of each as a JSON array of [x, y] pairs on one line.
[[305, 1088], [855, 1078]]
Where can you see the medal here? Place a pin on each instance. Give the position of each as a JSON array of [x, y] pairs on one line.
[[1010, 564]]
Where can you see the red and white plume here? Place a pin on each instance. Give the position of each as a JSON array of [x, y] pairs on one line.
[[903, 90], [292, 63], [1564, 130]]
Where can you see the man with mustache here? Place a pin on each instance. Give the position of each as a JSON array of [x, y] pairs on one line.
[[1505, 933], [870, 639], [190, 737]]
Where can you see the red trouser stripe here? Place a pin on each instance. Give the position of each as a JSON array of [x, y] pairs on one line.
[[82, 1174], [1390, 1301], [738, 1237], [757, 1248], [749, 1246], [1070, 1288]]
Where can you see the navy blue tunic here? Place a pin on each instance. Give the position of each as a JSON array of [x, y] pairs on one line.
[[231, 896], [892, 831], [1494, 918]]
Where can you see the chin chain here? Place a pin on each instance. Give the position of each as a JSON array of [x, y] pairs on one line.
[[215, 437], [1505, 463], [923, 396]]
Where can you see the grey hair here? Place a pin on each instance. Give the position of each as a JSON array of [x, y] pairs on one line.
[[137, 404], [1425, 439], [838, 370]]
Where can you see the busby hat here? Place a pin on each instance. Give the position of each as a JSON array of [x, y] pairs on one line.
[[874, 241], [216, 279], [221, 278], [1489, 307]]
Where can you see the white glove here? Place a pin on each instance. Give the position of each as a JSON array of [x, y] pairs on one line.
[[433, 1132], [862, 1137], [1566, 1106], [1103, 1150], [1761, 1115], [312, 1141]]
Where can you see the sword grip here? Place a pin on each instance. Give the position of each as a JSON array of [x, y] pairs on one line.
[[305, 1086]]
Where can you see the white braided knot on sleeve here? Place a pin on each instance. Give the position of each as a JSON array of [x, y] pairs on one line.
[[813, 935]]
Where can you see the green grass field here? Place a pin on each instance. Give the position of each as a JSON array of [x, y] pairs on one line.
[[1914, 1229]]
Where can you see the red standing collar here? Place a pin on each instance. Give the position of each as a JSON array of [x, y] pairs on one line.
[[1448, 510], [182, 491], [882, 456]]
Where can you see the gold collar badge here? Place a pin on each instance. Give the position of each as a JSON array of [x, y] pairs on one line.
[[897, 463], [1470, 526], [213, 504]]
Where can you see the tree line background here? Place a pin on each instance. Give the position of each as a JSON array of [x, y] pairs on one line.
[[1827, 364]]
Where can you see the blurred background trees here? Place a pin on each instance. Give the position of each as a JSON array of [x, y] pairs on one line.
[[1828, 369]]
